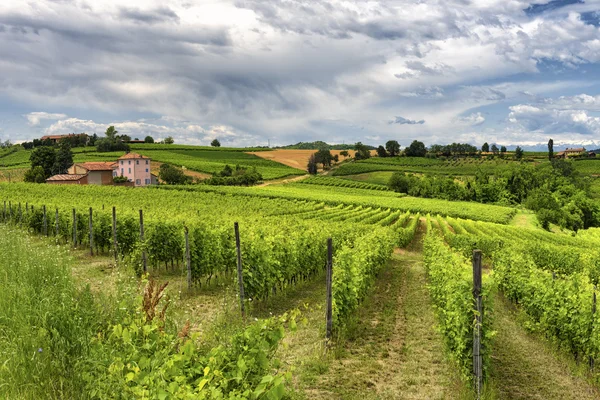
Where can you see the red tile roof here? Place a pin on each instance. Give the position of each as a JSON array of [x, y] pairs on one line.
[[98, 166], [132, 155], [66, 177]]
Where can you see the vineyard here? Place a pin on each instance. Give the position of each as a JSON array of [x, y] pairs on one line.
[[272, 286]]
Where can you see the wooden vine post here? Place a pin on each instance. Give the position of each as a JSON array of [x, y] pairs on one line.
[[56, 224], [144, 260], [114, 232], [20, 215], [236, 227], [478, 309], [45, 221], [329, 279], [91, 227], [188, 258], [10, 211], [74, 229], [593, 320], [4, 212]]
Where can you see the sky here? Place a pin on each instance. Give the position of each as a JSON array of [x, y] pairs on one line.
[[257, 72]]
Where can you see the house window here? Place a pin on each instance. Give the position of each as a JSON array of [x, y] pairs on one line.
[[114, 173], [146, 169], [129, 170], [147, 181], [137, 181], [137, 162], [121, 171], [121, 162], [146, 162], [129, 162]]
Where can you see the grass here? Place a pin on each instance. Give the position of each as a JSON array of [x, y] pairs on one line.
[[379, 177], [525, 366], [525, 219]]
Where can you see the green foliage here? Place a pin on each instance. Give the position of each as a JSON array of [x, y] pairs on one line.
[[485, 148], [450, 285], [329, 181], [35, 175], [148, 139], [64, 158], [312, 165], [238, 177], [392, 147], [215, 143], [416, 149], [362, 152], [170, 140], [43, 157], [173, 176], [550, 149], [518, 153], [381, 152], [323, 157]]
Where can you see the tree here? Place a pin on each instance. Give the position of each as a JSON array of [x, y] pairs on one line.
[[64, 158], [381, 152], [344, 153], [416, 149], [173, 175], [43, 157], [503, 149], [169, 140], [312, 164], [485, 148], [35, 175], [518, 153], [550, 149], [215, 143], [399, 182], [125, 138], [111, 133], [324, 157], [148, 139], [392, 147], [361, 151], [494, 149]]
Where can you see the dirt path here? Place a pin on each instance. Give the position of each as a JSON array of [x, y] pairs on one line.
[[526, 367], [284, 180], [393, 350]]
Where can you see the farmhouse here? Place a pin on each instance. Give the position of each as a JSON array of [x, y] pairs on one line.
[[570, 152], [56, 138], [134, 167]]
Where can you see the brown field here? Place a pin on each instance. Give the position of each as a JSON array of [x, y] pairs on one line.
[[12, 175], [296, 158]]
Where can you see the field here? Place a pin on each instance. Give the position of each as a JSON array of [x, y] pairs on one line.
[[205, 160], [297, 158], [83, 311]]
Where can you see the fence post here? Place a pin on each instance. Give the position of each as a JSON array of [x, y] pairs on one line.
[[144, 260], [20, 215], [4, 212], [329, 313], [188, 258], [236, 227], [10, 211], [477, 357], [114, 229], [593, 318], [74, 229], [56, 223], [91, 234], [45, 221]]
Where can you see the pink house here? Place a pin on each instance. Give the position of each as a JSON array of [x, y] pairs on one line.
[[136, 168]]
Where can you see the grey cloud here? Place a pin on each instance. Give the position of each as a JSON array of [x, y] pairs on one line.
[[157, 15], [536, 9], [405, 121]]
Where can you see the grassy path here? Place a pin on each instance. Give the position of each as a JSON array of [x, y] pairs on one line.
[[392, 349], [526, 367]]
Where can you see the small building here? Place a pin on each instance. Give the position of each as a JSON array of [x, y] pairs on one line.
[[68, 179], [570, 152], [98, 173], [56, 138], [136, 168]]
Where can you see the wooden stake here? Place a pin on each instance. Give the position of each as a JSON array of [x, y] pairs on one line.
[[20, 215], [91, 234], [329, 281], [4, 212], [10, 211], [45, 221], [239, 266], [477, 357], [114, 229], [188, 258], [144, 260], [56, 223], [74, 229]]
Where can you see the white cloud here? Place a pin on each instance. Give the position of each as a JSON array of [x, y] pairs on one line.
[[473, 119], [35, 118]]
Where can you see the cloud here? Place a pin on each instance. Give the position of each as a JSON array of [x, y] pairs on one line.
[[554, 121], [474, 119], [404, 121], [157, 15], [536, 9], [35, 118]]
